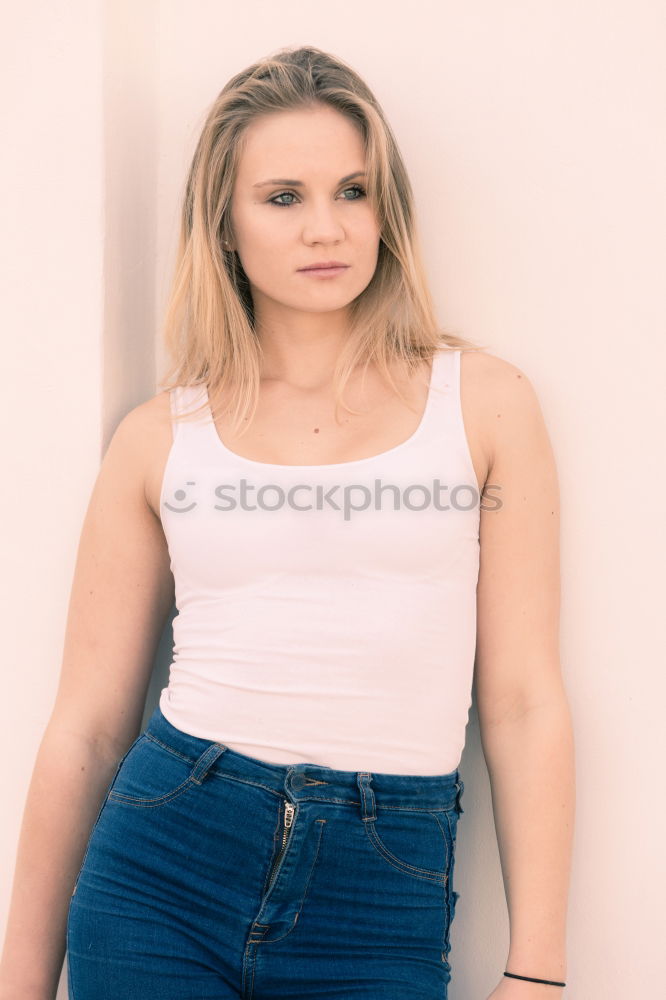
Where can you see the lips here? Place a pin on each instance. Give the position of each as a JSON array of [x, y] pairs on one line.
[[323, 266]]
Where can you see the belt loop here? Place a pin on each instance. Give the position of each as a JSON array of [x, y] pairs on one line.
[[461, 787], [363, 779], [206, 761]]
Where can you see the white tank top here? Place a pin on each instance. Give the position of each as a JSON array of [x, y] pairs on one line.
[[326, 613]]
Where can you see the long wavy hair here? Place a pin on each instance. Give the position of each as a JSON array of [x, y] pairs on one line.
[[209, 331]]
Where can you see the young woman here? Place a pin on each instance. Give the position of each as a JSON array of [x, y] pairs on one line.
[[307, 487]]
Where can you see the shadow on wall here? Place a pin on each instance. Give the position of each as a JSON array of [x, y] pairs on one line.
[[160, 675]]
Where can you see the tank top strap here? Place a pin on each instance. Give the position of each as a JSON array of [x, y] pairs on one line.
[[442, 393], [192, 434], [445, 369], [447, 423]]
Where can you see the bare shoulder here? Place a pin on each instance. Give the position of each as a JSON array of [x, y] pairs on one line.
[[486, 373], [501, 401], [482, 377], [146, 431]]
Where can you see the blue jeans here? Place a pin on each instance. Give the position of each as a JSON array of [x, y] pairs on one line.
[[210, 874]]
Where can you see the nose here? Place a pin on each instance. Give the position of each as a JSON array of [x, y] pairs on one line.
[[321, 224]]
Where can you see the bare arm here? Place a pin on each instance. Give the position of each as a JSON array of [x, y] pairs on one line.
[[121, 595], [524, 717]]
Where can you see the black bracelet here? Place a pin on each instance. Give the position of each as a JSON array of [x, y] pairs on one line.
[[548, 982]]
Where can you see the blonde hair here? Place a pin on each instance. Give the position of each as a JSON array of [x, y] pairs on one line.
[[209, 330]]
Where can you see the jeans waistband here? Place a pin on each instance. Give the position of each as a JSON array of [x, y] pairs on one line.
[[312, 782]]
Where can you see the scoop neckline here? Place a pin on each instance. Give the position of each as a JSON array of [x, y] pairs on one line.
[[330, 465]]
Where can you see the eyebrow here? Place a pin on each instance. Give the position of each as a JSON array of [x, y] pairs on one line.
[[292, 183]]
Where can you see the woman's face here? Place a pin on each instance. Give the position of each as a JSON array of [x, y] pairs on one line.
[[279, 226]]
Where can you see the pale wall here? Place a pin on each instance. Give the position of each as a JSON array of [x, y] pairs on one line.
[[531, 132]]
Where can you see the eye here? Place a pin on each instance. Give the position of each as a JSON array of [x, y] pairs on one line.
[[290, 194], [359, 189], [282, 204]]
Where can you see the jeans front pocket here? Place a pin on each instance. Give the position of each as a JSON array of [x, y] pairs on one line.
[[154, 774], [414, 841]]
